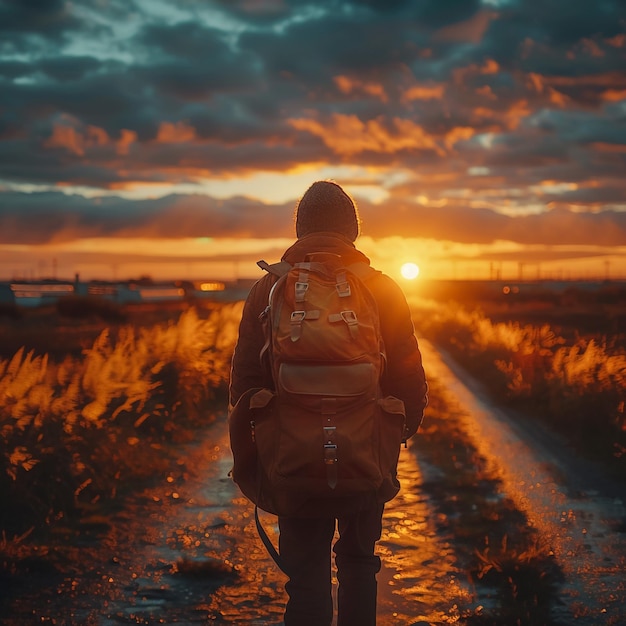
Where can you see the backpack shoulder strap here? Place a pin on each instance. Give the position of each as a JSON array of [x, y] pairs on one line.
[[278, 269]]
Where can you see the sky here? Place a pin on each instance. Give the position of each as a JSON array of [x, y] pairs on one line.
[[479, 138]]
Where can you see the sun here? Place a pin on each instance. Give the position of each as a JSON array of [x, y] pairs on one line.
[[410, 271]]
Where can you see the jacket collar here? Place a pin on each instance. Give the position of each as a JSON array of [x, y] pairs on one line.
[[324, 242]]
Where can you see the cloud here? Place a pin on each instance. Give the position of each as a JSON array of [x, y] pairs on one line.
[[55, 217], [46, 18], [506, 118]]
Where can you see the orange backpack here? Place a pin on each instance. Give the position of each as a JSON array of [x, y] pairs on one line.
[[322, 441]]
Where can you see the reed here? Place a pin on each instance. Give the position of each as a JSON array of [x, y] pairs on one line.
[[577, 384], [73, 431]]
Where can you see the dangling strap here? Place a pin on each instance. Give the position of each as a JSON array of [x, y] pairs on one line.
[[269, 546], [278, 269]]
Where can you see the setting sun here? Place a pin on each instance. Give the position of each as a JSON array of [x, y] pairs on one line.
[[410, 271]]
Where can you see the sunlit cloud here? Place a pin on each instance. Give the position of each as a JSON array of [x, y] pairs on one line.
[[347, 135], [465, 123]]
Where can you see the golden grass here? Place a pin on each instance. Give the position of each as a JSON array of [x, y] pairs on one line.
[[578, 384], [69, 425]]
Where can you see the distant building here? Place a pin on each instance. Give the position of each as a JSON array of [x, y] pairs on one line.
[[6, 295], [32, 294], [38, 293]]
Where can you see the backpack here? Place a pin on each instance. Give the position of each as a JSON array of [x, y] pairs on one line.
[[323, 441]]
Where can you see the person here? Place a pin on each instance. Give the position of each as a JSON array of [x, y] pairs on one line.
[[327, 220]]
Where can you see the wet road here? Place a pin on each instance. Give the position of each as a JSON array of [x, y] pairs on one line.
[[581, 517], [186, 551]]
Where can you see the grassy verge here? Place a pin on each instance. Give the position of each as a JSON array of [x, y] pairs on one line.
[[574, 383], [514, 576], [75, 431]]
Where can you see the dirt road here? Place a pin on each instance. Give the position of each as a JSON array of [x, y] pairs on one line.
[[578, 515], [491, 527]]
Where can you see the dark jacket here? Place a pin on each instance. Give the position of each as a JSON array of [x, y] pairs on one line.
[[404, 376]]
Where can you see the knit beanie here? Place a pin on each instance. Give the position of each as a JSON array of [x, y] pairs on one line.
[[326, 207]]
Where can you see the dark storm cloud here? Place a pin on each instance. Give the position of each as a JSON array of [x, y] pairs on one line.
[[52, 216], [557, 227], [524, 99], [47, 18], [70, 69], [188, 40], [46, 217]]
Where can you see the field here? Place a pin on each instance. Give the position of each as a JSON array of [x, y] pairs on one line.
[[97, 406], [88, 406], [558, 357]]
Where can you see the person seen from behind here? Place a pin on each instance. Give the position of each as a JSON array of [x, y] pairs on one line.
[[327, 221]]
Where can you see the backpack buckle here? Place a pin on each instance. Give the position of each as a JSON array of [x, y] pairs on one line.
[[330, 453], [301, 288], [342, 285], [297, 317], [330, 459], [349, 317], [330, 447], [343, 289]]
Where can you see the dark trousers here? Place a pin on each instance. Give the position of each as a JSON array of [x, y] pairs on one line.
[[305, 547]]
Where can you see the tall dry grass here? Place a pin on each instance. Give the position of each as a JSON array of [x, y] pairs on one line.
[[73, 431], [578, 385]]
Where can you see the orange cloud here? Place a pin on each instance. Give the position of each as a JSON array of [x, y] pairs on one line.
[[488, 67], [614, 95], [516, 113], [608, 80], [349, 85], [127, 138], [459, 133], [538, 83], [609, 147], [619, 41], [175, 133], [509, 119], [487, 92], [347, 135], [558, 98], [422, 92], [69, 137], [130, 185], [66, 137]]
